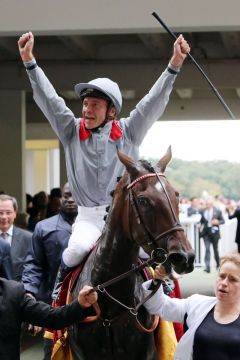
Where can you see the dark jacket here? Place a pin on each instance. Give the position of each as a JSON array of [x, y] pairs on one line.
[[5, 260], [21, 242], [49, 239], [214, 230], [16, 307], [192, 211], [236, 214]]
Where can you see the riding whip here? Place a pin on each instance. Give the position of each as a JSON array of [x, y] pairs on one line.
[[232, 116]]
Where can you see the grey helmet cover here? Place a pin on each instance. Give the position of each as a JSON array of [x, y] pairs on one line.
[[107, 87]]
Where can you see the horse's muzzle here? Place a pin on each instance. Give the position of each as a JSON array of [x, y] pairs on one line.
[[182, 262]]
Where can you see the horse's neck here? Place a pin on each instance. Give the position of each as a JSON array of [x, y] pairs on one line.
[[115, 255]]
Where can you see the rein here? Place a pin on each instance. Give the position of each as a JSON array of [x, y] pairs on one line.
[[158, 255]]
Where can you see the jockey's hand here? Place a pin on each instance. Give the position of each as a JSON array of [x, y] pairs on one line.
[[34, 330], [160, 273], [25, 46], [87, 297], [180, 51]]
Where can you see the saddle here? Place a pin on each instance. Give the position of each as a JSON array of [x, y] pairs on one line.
[[61, 348], [166, 334]]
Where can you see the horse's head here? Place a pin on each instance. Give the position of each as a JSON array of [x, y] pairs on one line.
[[151, 216]]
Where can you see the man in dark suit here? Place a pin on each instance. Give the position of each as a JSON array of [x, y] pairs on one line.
[[18, 239], [235, 213], [17, 306], [211, 219], [194, 207], [50, 238], [5, 260]]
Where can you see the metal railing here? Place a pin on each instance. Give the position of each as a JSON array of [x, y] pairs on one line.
[[227, 243]]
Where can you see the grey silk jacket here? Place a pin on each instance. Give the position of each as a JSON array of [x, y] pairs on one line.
[[91, 157]]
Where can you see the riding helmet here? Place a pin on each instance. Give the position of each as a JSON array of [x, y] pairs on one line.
[[103, 88]]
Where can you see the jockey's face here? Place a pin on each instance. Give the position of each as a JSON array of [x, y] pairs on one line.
[[94, 111]]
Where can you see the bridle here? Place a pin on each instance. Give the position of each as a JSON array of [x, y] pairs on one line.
[[151, 240], [158, 255]]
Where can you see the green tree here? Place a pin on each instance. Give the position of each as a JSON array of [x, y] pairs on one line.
[[190, 178]]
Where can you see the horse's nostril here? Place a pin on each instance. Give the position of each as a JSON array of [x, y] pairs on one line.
[[177, 258], [191, 258]]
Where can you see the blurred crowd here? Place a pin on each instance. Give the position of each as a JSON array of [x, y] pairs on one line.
[[209, 213], [39, 207], [196, 205], [43, 205]]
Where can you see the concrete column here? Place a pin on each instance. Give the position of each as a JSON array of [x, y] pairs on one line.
[[12, 144]]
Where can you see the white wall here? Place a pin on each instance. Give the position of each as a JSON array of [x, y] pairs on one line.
[[42, 166], [109, 16]]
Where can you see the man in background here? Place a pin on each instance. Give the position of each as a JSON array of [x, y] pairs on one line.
[[234, 212], [193, 209], [49, 239], [211, 219], [5, 260], [18, 239]]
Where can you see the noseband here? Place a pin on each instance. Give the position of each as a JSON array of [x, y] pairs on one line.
[[158, 255], [151, 240]]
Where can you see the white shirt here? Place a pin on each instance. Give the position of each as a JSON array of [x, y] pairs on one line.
[[208, 214], [7, 235]]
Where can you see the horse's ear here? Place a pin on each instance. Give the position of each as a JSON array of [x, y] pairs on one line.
[[163, 162], [129, 163]]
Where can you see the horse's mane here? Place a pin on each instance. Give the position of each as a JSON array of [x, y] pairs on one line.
[[147, 165], [123, 180]]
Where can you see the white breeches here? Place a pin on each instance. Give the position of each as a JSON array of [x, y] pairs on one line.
[[87, 228]]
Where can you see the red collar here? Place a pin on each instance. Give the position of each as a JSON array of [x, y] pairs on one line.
[[115, 133]]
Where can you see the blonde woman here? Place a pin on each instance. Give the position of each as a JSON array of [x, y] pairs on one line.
[[213, 322]]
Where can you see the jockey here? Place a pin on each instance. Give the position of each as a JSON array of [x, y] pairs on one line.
[[90, 142]]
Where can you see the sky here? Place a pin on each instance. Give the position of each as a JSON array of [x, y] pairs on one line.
[[194, 140]]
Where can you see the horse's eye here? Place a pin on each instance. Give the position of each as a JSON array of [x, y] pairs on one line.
[[177, 193], [142, 201]]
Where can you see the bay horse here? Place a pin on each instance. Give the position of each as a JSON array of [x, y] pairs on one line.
[[144, 212]]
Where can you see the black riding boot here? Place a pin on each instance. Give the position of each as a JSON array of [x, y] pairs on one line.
[[62, 273]]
